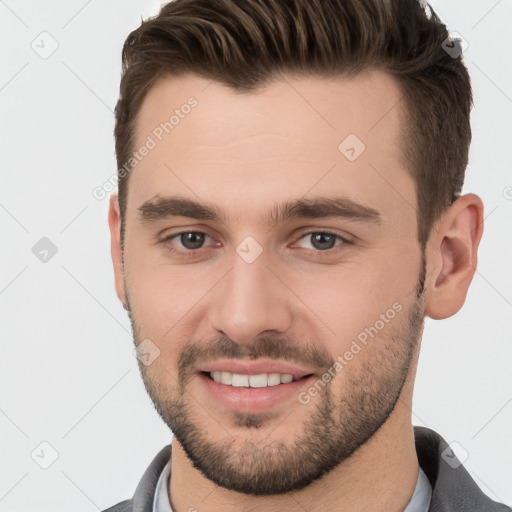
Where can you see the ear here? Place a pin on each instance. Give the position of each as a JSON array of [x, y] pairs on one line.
[[452, 249], [114, 222]]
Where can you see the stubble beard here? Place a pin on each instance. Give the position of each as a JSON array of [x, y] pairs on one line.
[[336, 426]]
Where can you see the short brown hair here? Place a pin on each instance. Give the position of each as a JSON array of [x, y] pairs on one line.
[[246, 43]]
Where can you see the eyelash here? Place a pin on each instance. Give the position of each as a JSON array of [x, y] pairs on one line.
[[190, 253]]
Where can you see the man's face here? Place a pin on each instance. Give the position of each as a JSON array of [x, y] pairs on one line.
[[260, 289]]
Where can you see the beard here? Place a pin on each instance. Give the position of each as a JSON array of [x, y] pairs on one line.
[[339, 421]]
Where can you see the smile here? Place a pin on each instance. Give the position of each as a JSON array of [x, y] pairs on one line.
[[261, 380]]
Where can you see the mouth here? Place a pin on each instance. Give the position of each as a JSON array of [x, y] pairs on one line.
[[241, 397], [253, 386], [260, 380]]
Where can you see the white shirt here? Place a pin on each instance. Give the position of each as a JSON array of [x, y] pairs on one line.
[[420, 500]]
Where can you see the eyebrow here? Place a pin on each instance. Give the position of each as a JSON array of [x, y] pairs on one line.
[[161, 208]]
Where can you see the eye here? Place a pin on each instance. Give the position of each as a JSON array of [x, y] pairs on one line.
[[188, 241], [322, 240]]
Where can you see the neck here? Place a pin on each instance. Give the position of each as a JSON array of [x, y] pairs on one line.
[[380, 476]]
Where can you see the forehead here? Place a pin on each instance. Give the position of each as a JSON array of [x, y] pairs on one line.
[[292, 137]]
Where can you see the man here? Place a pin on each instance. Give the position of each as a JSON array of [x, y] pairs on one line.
[[289, 211]]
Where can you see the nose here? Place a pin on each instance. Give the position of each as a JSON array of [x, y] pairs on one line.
[[250, 301]]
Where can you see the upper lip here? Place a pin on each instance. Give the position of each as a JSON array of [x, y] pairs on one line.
[[254, 367]]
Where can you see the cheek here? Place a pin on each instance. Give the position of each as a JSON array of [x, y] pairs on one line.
[[345, 300], [161, 295]]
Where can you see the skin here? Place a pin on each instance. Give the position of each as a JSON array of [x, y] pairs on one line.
[[244, 153]]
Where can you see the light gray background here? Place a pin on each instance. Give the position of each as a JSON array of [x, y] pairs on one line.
[[68, 373]]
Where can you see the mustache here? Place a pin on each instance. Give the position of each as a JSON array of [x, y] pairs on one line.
[[267, 347]]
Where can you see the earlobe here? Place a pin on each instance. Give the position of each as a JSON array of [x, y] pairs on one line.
[[114, 222], [454, 245]]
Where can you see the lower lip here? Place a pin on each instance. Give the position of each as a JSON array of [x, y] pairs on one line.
[[249, 400]]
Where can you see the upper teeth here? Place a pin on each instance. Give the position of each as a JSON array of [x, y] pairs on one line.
[[254, 381]]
